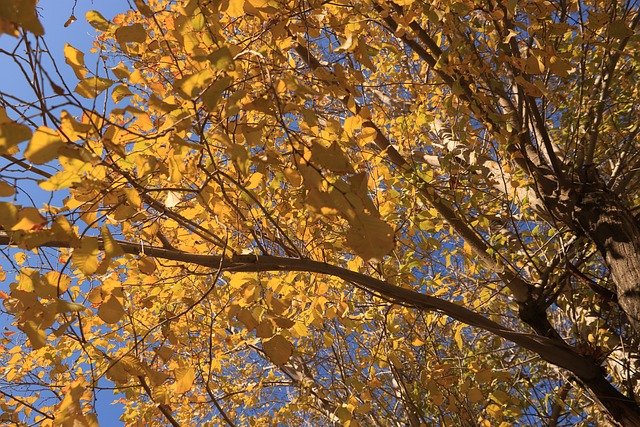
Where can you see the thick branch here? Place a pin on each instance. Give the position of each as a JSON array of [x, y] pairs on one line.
[[551, 350]]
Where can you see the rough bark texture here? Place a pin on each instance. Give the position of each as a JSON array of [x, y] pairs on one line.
[[616, 234]]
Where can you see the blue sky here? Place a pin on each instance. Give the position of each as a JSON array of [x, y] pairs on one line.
[[53, 15]]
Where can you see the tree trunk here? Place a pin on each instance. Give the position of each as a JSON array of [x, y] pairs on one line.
[[623, 411], [616, 234]]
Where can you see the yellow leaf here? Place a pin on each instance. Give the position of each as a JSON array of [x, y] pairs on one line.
[[71, 129], [64, 232], [75, 59], [28, 280], [63, 306], [222, 59], [559, 66], [133, 197], [619, 30], [500, 397], [494, 410], [211, 96], [111, 247], [278, 349], [184, 379], [344, 414], [52, 284], [61, 180], [29, 219], [43, 146], [8, 215], [173, 199], [370, 237], [368, 134], [194, 84], [235, 8], [97, 21], [254, 180], [457, 337], [11, 133], [264, 329], [534, 65], [111, 311], [143, 8], [92, 87], [351, 124], [119, 93], [164, 352], [85, 258]]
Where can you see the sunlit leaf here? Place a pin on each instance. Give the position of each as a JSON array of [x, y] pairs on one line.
[[29, 219], [146, 265], [75, 59], [194, 84], [111, 247], [11, 133], [235, 8], [92, 87], [63, 306], [97, 21], [43, 146], [85, 258], [184, 379]]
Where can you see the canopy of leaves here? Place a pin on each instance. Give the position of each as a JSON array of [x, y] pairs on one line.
[[346, 213]]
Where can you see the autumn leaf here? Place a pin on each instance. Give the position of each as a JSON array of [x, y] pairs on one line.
[[19, 14], [111, 247], [75, 59], [146, 265], [131, 34], [37, 337], [29, 219], [43, 146], [184, 379], [11, 133], [235, 8], [97, 21], [332, 158], [6, 189], [91, 87], [111, 310], [278, 349], [85, 258], [63, 306], [475, 395], [370, 237], [388, 188]]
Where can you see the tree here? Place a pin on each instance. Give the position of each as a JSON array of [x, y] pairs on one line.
[[326, 212]]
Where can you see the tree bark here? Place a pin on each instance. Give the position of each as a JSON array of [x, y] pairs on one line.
[[616, 234]]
